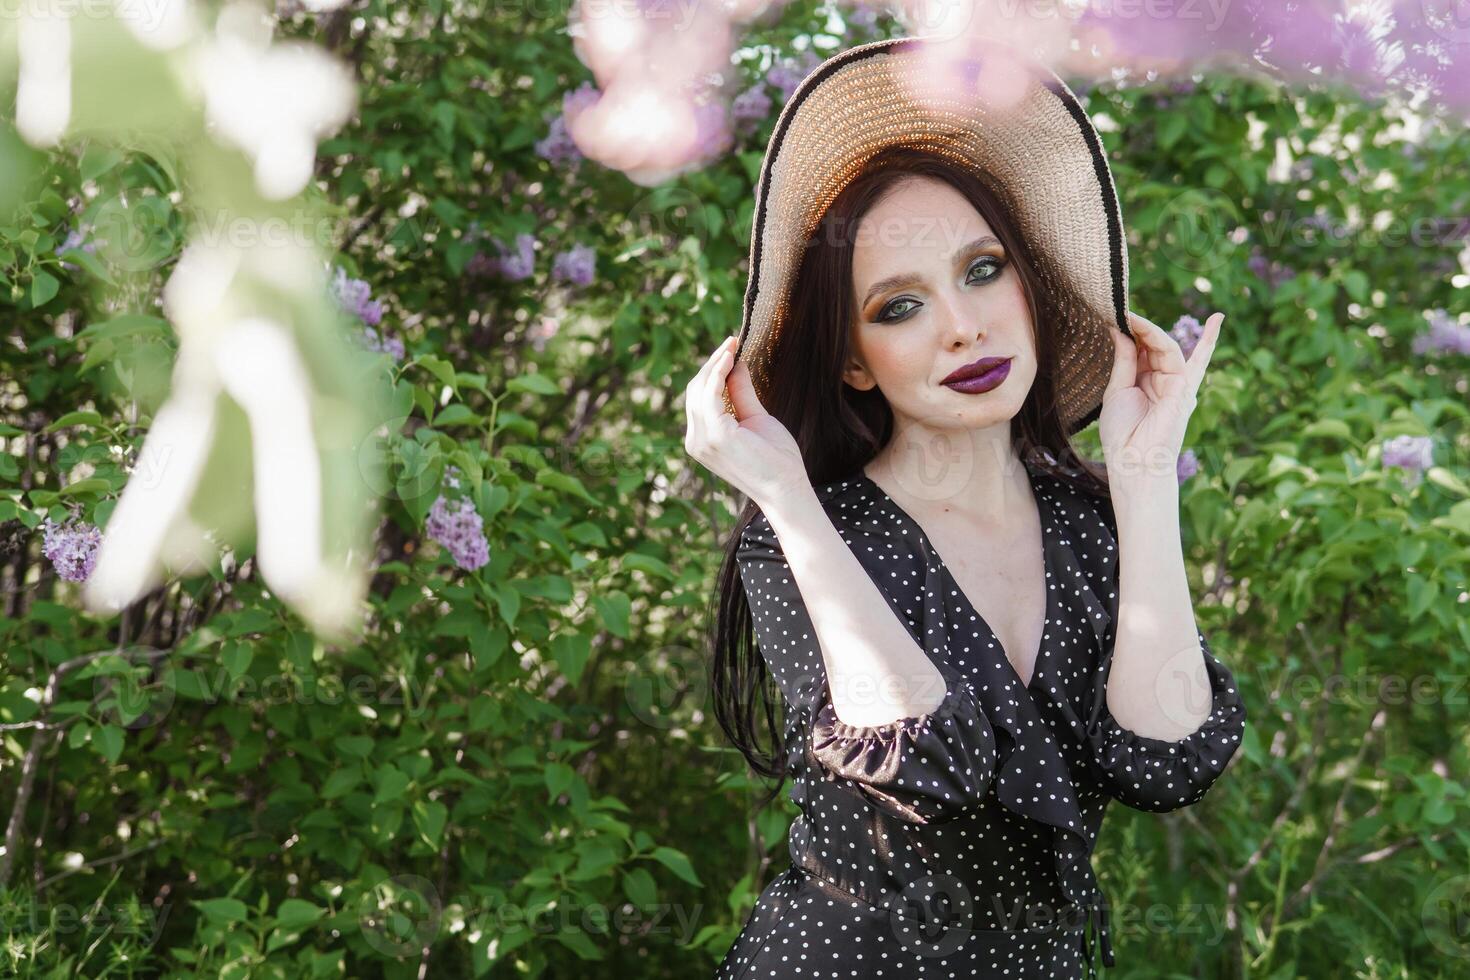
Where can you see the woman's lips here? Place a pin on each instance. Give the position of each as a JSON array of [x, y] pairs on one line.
[[982, 382]]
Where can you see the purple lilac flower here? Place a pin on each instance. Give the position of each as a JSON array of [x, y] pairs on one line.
[[785, 75], [1445, 335], [72, 548], [1273, 273], [584, 96], [520, 264], [458, 527], [355, 296], [383, 343], [1186, 466], [1187, 332], [861, 19], [557, 146], [712, 135], [1414, 453], [576, 265], [76, 240], [752, 105], [1325, 224], [481, 264]]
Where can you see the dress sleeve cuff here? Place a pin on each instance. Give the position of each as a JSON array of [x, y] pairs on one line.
[[923, 769], [1156, 774]]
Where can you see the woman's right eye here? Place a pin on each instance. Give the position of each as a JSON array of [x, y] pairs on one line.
[[884, 315]]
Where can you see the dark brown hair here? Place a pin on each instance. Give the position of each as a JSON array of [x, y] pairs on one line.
[[839, 428]]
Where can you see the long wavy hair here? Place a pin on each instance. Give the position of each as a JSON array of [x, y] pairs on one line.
[[839, 428]]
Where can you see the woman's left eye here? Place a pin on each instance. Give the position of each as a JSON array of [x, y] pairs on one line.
[[991, 263]]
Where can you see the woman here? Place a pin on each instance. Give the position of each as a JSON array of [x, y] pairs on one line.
[[960, 703]]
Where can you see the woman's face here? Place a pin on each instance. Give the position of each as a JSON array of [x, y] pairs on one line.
[[934, 291]]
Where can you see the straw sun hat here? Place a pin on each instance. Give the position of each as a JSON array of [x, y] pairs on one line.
[[994, 110]]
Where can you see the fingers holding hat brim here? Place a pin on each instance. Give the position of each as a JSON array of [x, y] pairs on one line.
[[1125, 360]]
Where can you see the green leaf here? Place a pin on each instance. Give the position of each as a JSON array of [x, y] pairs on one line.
[[535, 384], [1442, 477], [438, 367], [43, 288], [91, 263], [97, 160], [223, 911], [76, 418], [358, 745], [295, 913], [91, 485], [340, 783], [559, 778], [109, 741], [615, 608], [1330, 428], [127, 325], [677, 862], [571, 652], [640, 888], [430, 816], [648, 564]]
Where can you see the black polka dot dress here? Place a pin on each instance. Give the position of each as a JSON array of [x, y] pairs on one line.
[[958, 843]]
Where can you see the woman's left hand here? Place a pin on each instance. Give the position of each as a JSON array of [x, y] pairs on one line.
[[1149, 397]]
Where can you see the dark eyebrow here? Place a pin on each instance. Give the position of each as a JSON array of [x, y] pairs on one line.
[[904, 279]]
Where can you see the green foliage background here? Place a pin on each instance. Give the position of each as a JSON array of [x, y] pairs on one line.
[[516, 772]]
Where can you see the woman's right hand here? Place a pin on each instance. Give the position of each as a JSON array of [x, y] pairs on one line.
[[751, 450]]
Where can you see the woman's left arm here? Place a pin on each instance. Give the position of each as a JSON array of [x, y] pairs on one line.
[[1158, 687], [1165, 715]]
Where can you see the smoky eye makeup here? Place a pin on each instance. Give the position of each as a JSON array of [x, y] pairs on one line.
[[983, 269]]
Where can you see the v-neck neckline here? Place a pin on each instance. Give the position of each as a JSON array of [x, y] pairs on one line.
[[968, 606]]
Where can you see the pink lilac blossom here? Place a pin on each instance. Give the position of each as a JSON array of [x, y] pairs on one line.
[[1186, 466], [1409, 452], [458, 527], [72, 548], [577, 265], [1445, 335], [1187, 331]]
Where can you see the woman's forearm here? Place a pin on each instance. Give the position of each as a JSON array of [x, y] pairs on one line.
[[876, 671], [1158, 686]]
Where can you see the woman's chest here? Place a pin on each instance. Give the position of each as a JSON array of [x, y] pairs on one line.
[[1004, 584]]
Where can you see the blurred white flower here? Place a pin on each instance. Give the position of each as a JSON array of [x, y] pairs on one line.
[[274, 101], [43, 85], [230, 353]]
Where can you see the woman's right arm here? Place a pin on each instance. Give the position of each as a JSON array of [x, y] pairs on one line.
[[913, 740], [877, 709]]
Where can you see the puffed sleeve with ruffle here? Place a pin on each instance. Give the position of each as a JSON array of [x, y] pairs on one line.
[[925, 769], [1155, 774]]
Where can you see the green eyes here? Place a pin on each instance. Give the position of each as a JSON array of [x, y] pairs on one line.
[[886, 315]]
